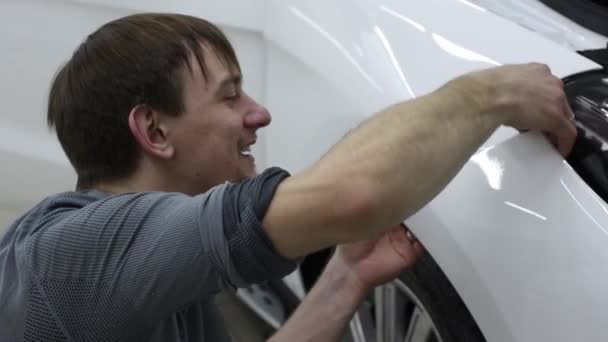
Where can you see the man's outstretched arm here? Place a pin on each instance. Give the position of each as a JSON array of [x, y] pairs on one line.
[[326, 311], [396, 162]]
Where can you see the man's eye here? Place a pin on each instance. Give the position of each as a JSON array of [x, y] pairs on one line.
[[232, 97]]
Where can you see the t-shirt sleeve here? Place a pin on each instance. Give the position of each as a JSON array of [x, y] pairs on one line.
[[135, 258], [245, 254]]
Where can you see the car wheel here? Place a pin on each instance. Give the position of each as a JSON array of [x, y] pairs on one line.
[[420, 306], [273, 301]]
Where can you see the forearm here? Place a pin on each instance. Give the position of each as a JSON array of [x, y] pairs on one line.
[[381, 172], [407, 154], [326, 311]]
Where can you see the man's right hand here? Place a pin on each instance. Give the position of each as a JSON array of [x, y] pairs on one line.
[[528, 97]]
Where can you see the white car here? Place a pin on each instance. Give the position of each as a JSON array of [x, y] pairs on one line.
[[517, 242]]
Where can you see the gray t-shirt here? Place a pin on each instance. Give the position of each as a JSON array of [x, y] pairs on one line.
[[90, 266]]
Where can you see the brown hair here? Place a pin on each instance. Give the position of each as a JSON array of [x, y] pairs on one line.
[[130, 61]]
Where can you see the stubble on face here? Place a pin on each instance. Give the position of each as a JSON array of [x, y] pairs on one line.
[[214, 135]]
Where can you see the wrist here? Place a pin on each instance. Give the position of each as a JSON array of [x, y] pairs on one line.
[[481, 96], [345, 279]]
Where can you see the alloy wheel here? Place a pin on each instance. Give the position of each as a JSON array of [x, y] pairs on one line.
[[393, 313]]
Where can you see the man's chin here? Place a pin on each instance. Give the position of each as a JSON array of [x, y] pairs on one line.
[[245, 175], [250, 174]]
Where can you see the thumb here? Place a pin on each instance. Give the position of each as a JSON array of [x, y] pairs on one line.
[[404, 243]]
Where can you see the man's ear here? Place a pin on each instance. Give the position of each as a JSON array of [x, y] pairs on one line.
[[150, 129]]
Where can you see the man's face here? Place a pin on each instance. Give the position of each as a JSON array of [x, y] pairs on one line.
[[214, 134]]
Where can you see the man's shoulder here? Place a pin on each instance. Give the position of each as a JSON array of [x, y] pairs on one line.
[[60, 202], [83, 198], [68, 201]]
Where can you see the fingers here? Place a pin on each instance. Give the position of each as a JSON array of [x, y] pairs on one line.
[[541, 67], [410, 236], [416, 245], [563, 128], [413, 241], [567, 136], [418, 249], [560, 127], [408, 233], [562, 136]]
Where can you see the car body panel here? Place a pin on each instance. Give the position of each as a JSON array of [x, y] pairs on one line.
[[399, 49], [538, 17], [517, 232]]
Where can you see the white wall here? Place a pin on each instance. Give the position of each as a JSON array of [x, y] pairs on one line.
[[244, 14], [36, 38]]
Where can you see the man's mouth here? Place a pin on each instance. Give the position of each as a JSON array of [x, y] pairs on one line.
[[245, 149]]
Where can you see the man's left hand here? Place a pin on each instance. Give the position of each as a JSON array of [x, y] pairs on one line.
[[378, 261]]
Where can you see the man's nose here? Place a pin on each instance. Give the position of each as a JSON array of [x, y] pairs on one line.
[[257, 117]]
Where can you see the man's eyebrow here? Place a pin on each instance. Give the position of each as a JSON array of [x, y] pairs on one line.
[[232, 79]]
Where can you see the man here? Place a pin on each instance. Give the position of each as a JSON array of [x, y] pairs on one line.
[[169, 210]]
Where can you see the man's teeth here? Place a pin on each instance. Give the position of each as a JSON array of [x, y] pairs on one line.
[[245, 152]]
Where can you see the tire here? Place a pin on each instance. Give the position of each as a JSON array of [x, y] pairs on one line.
[[430, 286], [424, 288]]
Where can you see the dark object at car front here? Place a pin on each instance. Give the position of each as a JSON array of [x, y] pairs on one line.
[[588, 96]]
